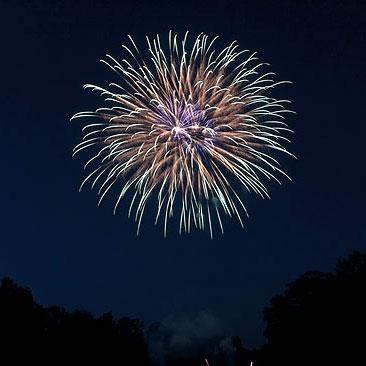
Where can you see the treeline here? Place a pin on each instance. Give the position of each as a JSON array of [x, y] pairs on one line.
[[319, 320], [52, 335]]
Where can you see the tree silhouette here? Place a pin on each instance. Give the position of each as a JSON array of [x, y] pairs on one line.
[[320, 319], [55, 336]]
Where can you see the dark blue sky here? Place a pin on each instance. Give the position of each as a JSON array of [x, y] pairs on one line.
[[73, 254]]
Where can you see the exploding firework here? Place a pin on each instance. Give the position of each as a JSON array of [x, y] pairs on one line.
[[188, 130]]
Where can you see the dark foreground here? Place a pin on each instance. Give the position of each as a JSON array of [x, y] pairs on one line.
[[319, 320]]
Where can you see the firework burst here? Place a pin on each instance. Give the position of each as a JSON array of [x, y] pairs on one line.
[[189, 130]]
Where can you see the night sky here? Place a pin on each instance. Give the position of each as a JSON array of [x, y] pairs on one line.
[[74, 254]]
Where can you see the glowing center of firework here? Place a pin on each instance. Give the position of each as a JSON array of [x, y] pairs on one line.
[[192, 133], [190, 125]]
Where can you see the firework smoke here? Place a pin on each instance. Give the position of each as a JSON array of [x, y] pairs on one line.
[[186, 130]]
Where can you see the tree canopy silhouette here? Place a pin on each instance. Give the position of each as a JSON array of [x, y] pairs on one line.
[[320, 319], [53, 335]]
